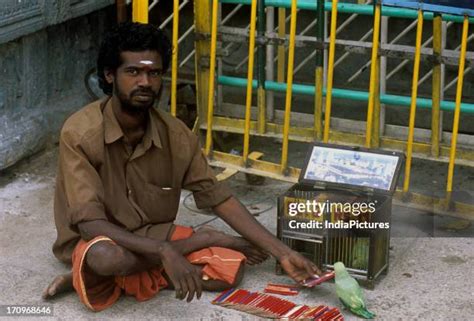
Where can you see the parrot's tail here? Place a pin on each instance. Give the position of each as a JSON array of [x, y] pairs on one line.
[[367, 314]]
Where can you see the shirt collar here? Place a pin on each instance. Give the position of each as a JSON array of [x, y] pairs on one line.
[[113, 131], [151, 133]]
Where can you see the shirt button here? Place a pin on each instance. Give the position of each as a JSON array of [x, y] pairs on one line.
[[129, 192]]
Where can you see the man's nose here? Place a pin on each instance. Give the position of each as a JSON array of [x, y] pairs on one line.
[[144, 80]]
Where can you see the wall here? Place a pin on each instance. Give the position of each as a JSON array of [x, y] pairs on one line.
[[46, 47]]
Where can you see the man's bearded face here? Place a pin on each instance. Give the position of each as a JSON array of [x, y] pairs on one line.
[[138, 80]]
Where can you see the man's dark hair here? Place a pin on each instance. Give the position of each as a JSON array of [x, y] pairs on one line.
[[130, 36]]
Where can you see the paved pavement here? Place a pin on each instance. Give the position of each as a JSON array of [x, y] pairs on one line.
[[430, 278]]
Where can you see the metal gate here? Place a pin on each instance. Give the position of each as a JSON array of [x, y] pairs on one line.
[[211, 31]]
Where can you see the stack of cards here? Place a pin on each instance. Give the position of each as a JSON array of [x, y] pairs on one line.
[[282, 289], [312, 282], [269, 306]]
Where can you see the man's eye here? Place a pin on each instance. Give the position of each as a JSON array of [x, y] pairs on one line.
[[155, 73], [132, 71]]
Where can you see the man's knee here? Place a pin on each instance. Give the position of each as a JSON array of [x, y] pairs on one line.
[[217, 285], [106, 259], [239, 276], [238, 279]]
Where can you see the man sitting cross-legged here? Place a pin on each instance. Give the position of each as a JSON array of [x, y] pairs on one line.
[[122, 165]]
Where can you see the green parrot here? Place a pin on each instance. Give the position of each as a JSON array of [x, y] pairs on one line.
[[350, 293]]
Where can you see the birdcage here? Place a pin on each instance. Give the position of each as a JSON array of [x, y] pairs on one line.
[[340, 209]]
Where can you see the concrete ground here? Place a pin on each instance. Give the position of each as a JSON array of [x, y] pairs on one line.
[[430, 278]]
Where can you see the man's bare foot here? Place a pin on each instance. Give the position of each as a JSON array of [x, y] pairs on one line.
[[254, 255], [61, 283]]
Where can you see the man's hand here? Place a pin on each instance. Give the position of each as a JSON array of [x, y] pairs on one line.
[[186, 277], [297, 266], [239, 218]]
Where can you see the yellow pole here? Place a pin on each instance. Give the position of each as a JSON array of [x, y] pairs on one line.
[[436, 86], [212, 73], [261, 95], [332, 51], [414, 93], [375, 141], [373, 76], [457, 110], [140, 11], [202, 24], [289, 85], [248, 102], [319, 73], [281, 48], [174, 59], [318, 103]]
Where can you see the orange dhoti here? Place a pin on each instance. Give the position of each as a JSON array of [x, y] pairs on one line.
[[218, 264]]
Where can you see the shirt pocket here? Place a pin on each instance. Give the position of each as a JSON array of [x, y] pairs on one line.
[[160, 203]]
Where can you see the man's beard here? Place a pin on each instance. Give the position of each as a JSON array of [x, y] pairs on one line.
[[133, 107]]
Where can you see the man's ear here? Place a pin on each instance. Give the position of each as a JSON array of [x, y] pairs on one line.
[[109, 76]]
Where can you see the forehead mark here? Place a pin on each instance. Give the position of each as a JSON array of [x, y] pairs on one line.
[[147, 62]]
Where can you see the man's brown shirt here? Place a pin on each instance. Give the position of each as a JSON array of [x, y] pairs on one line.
[[100, 177]]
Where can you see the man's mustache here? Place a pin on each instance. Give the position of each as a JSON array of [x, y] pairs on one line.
[[143, 92]]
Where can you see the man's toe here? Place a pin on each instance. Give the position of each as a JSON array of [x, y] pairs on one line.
[[48, 293]]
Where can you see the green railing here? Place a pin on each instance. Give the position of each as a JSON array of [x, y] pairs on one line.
[[362, 9], [346, 94]]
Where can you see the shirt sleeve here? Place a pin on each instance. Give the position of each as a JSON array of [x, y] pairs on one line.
[[83, 189], [200, 179]]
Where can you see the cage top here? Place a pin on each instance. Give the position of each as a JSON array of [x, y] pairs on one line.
[[356, 168]]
